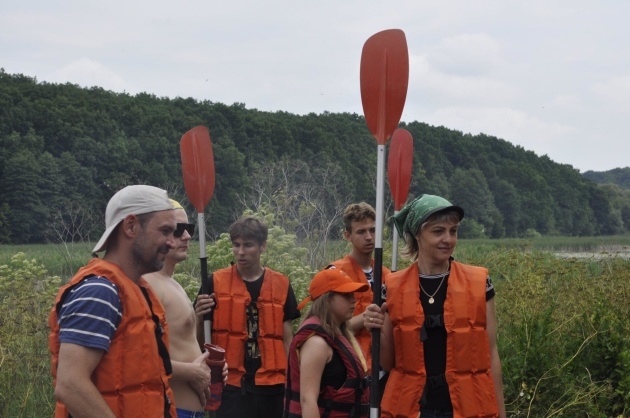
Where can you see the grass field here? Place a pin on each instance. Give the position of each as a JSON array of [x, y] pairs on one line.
[[563, 324], [64, 260]]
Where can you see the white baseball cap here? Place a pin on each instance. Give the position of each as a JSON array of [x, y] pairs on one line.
[[131, 200]]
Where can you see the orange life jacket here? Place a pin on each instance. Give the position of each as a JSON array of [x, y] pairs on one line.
[[349, 401], [229, 325], [143, 389], [356, 273], [468, 374]]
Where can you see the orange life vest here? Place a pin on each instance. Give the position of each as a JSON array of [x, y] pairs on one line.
[[143, 389], [356, 273], [229, 325], [468, 374], [349, 401]]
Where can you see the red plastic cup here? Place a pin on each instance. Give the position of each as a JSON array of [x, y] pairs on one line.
[[216, 362]]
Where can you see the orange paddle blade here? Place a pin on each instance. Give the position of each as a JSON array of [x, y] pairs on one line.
[[399, 166], [384, 79], [198, 166]]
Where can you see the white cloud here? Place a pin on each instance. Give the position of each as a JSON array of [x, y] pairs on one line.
[[443, 88], [550, 76], [466, 55], [510, 124], [614, 90], [87, 72], [565, 102]]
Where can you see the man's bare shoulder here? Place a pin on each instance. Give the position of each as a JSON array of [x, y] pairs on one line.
[[157, 282]]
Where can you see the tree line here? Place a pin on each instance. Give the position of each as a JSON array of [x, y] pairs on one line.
[[618, 176], [64, 150]]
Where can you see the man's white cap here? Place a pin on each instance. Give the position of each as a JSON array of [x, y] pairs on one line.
[[132, 200]]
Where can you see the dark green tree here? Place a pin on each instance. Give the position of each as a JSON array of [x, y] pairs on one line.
[[60, 143], [470, 191], [20, 183]]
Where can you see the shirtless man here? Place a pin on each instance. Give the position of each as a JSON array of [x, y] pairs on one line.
[[191, 376]]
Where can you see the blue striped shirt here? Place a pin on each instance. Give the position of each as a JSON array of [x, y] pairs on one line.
[[90, 314]]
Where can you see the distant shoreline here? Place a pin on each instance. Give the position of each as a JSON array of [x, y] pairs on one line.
[[613, 251]]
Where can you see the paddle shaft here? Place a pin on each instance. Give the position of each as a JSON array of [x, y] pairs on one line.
[[205, 284], [378, 279], [384, 76]]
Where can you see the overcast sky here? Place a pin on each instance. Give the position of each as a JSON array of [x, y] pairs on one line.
[[550, 76]]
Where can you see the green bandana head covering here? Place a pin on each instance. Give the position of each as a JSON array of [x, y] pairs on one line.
[[415, 213]]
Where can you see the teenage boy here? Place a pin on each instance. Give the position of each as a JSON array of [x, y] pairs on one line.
[[251, 308], [359, 222]]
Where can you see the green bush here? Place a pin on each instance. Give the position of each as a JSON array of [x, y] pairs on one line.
[[471, 229], [531, 233], [26, 296], [562, 332]]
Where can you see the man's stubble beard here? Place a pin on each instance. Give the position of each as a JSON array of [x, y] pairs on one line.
[[150, 263]]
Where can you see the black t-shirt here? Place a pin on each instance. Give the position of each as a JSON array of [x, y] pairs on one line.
[[252, 352], [370, 278], [435, 345], [335, 372]]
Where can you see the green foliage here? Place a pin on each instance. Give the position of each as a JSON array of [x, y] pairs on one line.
[[189, 283], [61, 144], [471, 229], [618, 176], [306, 199], [562, 333], [531, 233], [26, 296], [470, 191], [562, 323], [61, 259], [5, 231]]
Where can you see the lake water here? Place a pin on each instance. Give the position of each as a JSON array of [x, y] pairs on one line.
[[613, 251]]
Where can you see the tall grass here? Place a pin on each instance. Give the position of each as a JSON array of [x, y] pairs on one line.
[[563, 324], [61, 260], [562, 331], [64, 260], [26, 296]]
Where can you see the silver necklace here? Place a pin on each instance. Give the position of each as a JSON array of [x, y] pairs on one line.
[[431, 299]]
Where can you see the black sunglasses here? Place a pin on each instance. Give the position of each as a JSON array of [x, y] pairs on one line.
[[181, 227]]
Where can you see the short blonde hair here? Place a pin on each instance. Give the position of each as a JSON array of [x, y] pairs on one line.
[[357, 212]]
